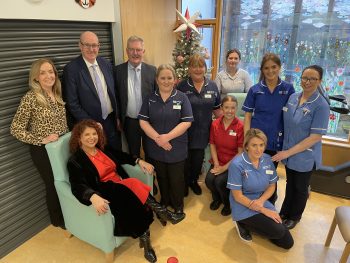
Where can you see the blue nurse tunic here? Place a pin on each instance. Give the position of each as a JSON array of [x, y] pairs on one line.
[[253, 182], [299, 122], [266, 108]]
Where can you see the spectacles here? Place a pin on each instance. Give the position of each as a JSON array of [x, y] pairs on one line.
[[135, 50], [88, 46], [312, 80]]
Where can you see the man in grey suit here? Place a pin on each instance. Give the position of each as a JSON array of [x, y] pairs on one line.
[[88, 89], [134, 81]]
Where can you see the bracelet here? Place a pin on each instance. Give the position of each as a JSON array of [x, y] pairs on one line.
[[250, 204], [138, 160]]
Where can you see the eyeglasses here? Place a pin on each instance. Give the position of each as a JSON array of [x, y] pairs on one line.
[[88, 46], [305, 79], [135, 50]]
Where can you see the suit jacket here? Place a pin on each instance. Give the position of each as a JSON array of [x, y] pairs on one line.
[[148, 84], [79, 91]]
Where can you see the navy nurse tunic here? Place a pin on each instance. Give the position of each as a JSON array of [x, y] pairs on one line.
[[163, 117], [203, 103]]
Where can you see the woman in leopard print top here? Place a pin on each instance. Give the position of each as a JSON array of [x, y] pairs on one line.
[[41, 119]]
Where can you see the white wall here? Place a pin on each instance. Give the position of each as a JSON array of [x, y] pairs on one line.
[[102, 11]]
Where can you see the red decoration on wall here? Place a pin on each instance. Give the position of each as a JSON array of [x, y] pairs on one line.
[[86, 3]]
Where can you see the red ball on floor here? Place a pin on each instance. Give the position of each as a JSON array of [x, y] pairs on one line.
[[172, 260]]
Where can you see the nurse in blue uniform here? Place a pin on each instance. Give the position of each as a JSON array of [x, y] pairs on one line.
[[165, 117], [305, 120], [204, 97], [252, 180], [264, 103]]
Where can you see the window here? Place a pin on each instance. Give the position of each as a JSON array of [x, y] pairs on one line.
[[302, 33], [207, 25]]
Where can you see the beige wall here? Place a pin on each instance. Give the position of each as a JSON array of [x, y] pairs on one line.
[[153, 20], [102, 11]]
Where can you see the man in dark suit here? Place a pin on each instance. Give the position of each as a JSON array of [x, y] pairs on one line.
[[88, 89], [134, 81]]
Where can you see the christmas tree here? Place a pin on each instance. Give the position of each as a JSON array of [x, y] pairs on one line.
[[188, 43], [184, 49]]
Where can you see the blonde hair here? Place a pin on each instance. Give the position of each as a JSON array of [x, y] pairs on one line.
[[165, 66], [254, 133], [197, 61], [36, 87]]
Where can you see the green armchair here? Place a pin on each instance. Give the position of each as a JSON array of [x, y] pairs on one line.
[[80, 220], [240, 99]]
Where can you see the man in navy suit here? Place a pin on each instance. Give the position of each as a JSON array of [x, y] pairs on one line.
[[134, 81], [88, 89]]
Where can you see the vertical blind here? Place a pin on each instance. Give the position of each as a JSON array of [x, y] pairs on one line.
[[23, 211]]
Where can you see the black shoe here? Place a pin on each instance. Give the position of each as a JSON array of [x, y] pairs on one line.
[[145, 243], [196, 188], [283, 217], [226, 210], [243, 233], [290, 224], [163, 214], [214, 205]]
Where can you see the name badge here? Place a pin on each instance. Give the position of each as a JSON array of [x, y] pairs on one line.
[[269, 172], [285, 109], [177, 107], [232, 133], [207, 96]]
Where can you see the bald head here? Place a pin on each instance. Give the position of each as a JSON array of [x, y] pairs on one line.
[[89, 46]]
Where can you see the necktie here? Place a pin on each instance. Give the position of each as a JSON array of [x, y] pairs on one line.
[[98, 84], [137, 90]]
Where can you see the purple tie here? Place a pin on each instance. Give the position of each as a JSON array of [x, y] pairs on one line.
[[98, 84]]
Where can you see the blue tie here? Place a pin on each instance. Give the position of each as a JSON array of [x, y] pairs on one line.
[[137, 90], [98, 84]]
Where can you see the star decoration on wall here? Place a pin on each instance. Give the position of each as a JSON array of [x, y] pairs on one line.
[[187, 22]]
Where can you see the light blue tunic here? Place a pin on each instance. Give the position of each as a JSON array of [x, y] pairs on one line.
[[299, 122], [242, 175]]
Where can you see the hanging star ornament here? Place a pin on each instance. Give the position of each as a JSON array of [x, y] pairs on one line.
[[188, 23]]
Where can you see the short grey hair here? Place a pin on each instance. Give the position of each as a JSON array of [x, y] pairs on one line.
[[135, 39]]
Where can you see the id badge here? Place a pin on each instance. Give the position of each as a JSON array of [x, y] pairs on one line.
[[269, 172], [207, 96], [177, 107], [285, 109], [232, 133]]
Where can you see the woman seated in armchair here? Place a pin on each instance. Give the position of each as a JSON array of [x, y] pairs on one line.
[[97, 178]]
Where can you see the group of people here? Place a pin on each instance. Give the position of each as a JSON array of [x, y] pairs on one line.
[[173, 123]]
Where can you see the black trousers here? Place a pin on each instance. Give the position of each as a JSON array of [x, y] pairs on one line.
[[42, 164], [265, 226], [193, 165], [114, 141], [133, 218], [274, 196], [297, 193], [171, 183], [217, 185], [133, 134]]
